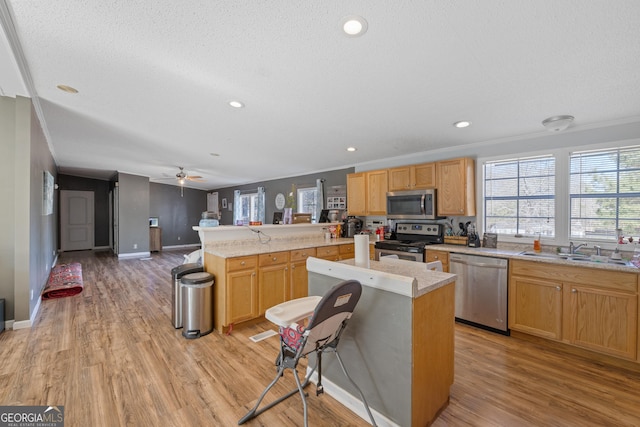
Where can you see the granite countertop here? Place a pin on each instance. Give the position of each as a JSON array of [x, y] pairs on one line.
[[230, 249], [408, 278], [517, 254]]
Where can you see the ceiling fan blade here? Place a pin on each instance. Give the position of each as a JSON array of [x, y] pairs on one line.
[[194, 177], [197, 180]]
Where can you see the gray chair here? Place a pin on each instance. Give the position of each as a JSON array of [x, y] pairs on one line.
[[321, 335]]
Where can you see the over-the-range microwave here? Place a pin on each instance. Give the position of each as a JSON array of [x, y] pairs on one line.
[[412, 204]]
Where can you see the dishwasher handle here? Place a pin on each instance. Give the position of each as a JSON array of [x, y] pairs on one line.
[[477, 264]]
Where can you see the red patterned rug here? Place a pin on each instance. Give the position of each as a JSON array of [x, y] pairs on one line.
[[65, 280]]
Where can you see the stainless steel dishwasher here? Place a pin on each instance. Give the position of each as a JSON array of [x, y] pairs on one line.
[[481, 290]]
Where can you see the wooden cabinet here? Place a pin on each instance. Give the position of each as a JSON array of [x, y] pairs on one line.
[[536, 307], [346, 251], [603, 320], [455, 182], [273, 280], [412, 177], [585, 307], [298, 276], [442, 256], [367, 193], [331, 253], [241, 285], [357, 194], [155, 239]]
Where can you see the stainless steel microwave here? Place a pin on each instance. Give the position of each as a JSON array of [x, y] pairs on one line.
[[413, 204]]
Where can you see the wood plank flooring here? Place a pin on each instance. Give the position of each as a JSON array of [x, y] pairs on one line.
[[111, 356]]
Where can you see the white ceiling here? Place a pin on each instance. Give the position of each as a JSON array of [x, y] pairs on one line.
[[155, 78]]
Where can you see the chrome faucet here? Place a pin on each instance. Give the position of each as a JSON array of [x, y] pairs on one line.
[[597, 248], [573, 249]]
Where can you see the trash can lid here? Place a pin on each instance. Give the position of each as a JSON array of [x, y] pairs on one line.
[[182, 269], [197, 278]]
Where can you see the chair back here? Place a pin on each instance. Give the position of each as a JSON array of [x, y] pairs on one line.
[[334, 307]]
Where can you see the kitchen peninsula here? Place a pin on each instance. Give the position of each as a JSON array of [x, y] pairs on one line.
[[399, 345], [258, 267]]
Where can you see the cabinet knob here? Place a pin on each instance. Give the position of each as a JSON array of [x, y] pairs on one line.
[[293, 267], [558, 288], [573, 291], [242, 263], [275, 258], [435, 257]]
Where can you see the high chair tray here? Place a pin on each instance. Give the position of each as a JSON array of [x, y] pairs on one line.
[[288, 312]]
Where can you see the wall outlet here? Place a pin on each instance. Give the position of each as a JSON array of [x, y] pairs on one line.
[[135, 246], [178, 237]]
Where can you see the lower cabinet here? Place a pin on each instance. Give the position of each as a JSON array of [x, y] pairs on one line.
[[331, 253], [346, 251], [273, 280], [298, 275], [242, 291], [588, 308], [442, 256]]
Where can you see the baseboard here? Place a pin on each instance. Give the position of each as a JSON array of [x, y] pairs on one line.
[[351, 402], [135, 255], [192, 245]]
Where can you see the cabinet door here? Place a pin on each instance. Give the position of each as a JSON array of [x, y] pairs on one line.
[[273, 286], [535, 307], [377, 185], [346, 251], [456, 187], [603, 320], [424, 175], [330, 253], [356, 194], [299, 280], [242, 298], [400, 179]]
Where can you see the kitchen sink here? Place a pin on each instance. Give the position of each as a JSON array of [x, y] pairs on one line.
[[596, 259]]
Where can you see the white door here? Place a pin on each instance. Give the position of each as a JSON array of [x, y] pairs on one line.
[[76, 220]]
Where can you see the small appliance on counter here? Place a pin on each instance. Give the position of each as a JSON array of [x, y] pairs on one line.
[[473, 239], [351, 226]]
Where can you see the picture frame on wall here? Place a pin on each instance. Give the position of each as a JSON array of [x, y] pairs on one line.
[[47, 193]]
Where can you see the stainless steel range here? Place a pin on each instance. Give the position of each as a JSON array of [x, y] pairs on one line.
[[410, 241]]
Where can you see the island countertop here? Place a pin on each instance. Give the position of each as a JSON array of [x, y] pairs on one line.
[[411, 279]]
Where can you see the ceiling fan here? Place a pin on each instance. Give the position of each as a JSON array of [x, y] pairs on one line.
[[183, 177]]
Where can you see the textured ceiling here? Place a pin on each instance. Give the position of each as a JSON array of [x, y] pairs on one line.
[[155, 78]]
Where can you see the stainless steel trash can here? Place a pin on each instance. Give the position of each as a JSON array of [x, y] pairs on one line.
[[176, 304], [197, 304]]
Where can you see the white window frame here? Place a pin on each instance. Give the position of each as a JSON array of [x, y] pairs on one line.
[[562, 156], [299, 196]]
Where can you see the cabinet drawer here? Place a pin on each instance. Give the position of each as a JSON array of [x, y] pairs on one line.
[[273, 258], [302, 254], [347, 249], [325, 251], [242, 263], [442, 256]]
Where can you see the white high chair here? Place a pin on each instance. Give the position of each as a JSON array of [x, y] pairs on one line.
[[329, 316]]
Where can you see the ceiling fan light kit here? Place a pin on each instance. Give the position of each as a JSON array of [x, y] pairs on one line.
[[557, 123]]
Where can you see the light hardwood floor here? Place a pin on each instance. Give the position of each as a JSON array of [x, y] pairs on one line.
[[111, 356]]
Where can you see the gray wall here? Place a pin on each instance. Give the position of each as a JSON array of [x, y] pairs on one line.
[[273, 187], [133, 216], [100, 190], [27, 237], [177, 213]]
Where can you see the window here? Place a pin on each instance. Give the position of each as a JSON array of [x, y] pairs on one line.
[[307, 201], [519, 196], [249, 206], [605, 193]]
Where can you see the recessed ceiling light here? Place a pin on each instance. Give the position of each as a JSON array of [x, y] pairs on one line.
[[352, 149], [67, 89], [462, 124], [354, 26], [236, 104]]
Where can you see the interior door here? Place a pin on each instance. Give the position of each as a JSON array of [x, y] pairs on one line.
[[76, 220]]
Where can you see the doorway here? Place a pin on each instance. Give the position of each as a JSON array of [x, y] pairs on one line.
[[76, 220]]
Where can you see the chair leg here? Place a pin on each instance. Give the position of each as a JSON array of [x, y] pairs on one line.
[[366, 405], [302, 395], [253, 412]]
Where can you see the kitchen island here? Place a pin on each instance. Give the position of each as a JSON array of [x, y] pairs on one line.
[[399, 345]]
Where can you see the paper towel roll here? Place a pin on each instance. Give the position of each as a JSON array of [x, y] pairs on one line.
[[361, 250]]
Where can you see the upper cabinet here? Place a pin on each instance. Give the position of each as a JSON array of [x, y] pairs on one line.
[[367, 193], [455, 181], [412, 177]]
